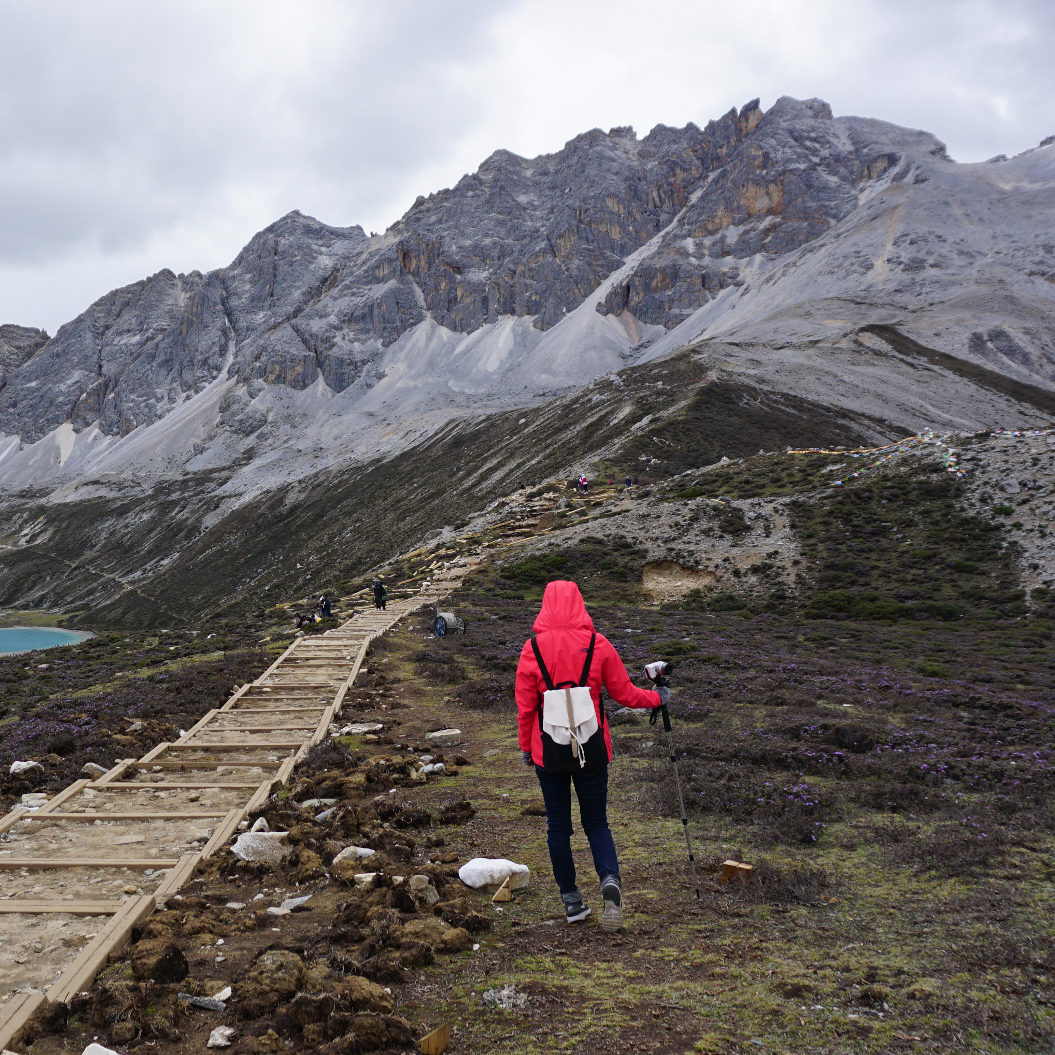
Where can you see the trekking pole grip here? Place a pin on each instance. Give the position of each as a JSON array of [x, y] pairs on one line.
[[666, 717]]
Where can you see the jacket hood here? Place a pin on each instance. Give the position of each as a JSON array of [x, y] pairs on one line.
[[563, 609]]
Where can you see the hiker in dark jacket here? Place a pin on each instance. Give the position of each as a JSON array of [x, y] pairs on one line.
[[380, 594], [325, 606], [565, 641]]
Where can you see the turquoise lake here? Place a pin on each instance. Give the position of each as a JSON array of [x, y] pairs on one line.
[[27, 638]]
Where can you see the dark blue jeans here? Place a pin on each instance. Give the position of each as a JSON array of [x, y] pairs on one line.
[[591, 788]]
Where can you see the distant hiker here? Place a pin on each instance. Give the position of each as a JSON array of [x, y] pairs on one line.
[[325, 606], [635, 481], [565, 652], [380, 594], [585, 484], [628, 481]]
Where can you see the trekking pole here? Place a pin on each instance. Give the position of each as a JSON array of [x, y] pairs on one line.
[[659, 673]]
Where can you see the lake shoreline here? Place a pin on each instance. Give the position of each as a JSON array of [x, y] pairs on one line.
[[37, 638]]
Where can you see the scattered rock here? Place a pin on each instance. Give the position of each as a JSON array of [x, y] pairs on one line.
[[447, 737], [262, 847], [99, 1049], [492, 872], [93, 769], [421, 887], [354, 853], [260, 825], [507, 999], [221, 1037], [361, 729], [206, 1003], [26, 767], [289, 905]]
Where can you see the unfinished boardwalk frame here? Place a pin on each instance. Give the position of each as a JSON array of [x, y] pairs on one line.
[[292, 704]]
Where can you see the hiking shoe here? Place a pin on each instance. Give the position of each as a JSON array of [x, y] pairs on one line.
[[612, 892], [577, 911]]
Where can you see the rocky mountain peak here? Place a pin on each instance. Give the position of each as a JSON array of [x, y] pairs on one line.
[[550, 269]]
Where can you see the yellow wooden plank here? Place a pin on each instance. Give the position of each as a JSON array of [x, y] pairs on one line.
[[72, 908], [35, 864]]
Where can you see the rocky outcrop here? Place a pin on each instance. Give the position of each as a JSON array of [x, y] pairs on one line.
[[18, 344]]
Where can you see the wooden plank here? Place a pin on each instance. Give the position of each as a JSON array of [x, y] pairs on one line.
[[140, 785], [315, 706], [15, 1014], [13, 817], [205, 763], [435, 1043], [224, 830], [261, 795], [153, 753], [61, 797], [109, 941], [261, 745], [9, 864], [204, 720], [104, 816], [72, 908], [114, 773], [238, 694], [177, 877], [274, 665], [353, 674], [308, 725]]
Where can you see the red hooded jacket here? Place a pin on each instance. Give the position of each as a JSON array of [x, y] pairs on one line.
[[563, 630]]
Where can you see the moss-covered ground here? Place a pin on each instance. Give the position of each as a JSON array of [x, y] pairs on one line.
[[890, 784]]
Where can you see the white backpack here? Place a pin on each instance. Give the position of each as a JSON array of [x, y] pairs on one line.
[[567, 713]]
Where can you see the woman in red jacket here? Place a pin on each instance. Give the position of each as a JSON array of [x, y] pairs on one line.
[[572, 653]]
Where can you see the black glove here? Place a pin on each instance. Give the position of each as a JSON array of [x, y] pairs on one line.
[[664, 694], [525, 757]]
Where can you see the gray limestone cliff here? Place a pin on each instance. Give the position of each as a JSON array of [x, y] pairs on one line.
[[671, 224]]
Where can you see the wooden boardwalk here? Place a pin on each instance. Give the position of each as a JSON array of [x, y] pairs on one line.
[[147, 823]]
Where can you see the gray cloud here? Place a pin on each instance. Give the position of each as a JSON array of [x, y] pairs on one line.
[[140, 136]]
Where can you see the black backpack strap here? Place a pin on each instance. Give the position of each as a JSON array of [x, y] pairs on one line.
[[589, 660], [541, 664]]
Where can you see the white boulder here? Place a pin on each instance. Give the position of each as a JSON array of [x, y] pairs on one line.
[[447, 737], [265, 847], [360, 728], [26, 767], [492, 872], [354, 853]]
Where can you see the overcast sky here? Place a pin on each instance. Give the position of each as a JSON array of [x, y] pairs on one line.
[[136, 136]]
